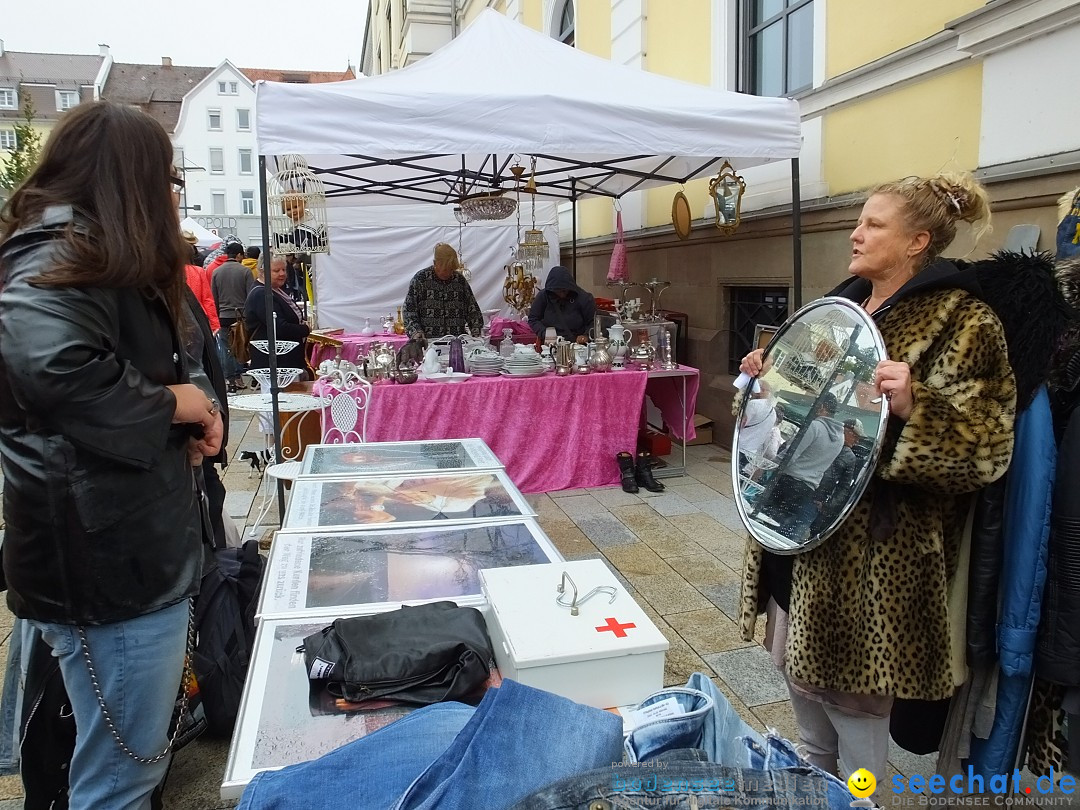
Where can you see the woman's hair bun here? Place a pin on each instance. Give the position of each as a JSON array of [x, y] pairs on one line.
[[964, 199]]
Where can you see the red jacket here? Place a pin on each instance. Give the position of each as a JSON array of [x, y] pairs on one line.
[[199, 282]]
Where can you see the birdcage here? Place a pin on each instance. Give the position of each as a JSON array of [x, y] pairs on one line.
[[296, 202], [808, 352]]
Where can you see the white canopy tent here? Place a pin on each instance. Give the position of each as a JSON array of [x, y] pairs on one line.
[[205, 238], [455, 121]]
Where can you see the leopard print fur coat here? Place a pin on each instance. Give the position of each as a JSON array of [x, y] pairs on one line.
[[870, 615]]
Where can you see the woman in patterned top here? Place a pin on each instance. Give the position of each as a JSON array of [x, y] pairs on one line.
[[440, 301]]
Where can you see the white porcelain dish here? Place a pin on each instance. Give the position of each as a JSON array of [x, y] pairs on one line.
[[446, 377]]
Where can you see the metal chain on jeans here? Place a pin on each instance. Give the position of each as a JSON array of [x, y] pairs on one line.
[[183, 693]]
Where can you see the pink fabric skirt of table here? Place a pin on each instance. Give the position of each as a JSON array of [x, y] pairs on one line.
[[551, 432]]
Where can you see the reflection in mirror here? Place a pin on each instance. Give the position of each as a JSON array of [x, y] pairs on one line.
[[809, 428]]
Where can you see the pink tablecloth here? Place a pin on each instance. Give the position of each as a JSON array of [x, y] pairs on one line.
[[356, 345], [551, 432]]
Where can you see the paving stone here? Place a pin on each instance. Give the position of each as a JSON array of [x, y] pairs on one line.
[[636, 560], [671, 503], [680, 660], [725, 596], [701, 569], [724, 511], [238, 504], [11, 788], [191, 784], [568, 539], [777, 716], [751, 674], [614, 496], [581, 505], [605, 530], [669, 593], [698, 492], [707, 631], [568, 493], [729, 547]]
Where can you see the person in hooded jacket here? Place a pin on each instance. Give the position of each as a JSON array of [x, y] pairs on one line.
[[865, 618], [563, 305]]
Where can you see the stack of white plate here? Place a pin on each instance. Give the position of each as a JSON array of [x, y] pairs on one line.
[[523, 364], [486, 364]]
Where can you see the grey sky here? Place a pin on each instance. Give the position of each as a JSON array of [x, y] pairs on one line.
[[317, 35]]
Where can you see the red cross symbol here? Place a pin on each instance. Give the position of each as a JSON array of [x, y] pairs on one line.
[[618, 629]]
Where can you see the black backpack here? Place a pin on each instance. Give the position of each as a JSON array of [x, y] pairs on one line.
[[225, 632]]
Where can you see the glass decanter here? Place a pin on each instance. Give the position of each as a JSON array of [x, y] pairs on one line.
[[506, 346]]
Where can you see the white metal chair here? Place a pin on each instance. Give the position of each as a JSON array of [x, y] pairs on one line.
[[345, 420]]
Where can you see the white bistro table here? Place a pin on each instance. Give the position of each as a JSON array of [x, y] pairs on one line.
[[286, 464]]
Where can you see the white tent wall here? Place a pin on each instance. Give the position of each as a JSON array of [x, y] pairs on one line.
[[376, 250]]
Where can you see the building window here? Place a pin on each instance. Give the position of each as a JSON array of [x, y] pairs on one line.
[[243, 120], [7, 139], [213, 120], [565, 26], [66, 99], [221, 88], [217, 203], [226, 88], [751, 306], [778, 46], [247, 202], [217, 161], [7, 98], [232, 88], [245, 161]]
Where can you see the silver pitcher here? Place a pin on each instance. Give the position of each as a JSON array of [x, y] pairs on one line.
[[600, 359]]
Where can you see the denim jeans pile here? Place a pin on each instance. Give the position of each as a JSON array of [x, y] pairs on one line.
[[526, 749]]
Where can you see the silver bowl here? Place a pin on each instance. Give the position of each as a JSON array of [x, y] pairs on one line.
[[564, 371], [406, 377]]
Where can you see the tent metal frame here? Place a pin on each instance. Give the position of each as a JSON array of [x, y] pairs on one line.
[[565, 179]]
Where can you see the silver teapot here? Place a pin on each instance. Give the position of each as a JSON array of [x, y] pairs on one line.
[[642, 353]]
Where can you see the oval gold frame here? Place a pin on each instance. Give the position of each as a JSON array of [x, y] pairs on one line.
[[680, 215]]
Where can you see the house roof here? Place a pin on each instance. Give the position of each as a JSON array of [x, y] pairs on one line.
[[158, 89], [298, 76], [62, 69]]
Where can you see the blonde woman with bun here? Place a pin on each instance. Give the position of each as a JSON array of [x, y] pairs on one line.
[[863, 618]]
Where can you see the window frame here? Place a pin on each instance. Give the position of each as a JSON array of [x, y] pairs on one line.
[[558, 31], [210, 112], [765, 312], [214, 194], [5, 134], [62, 94], [240, 161], [14, 98], [210, 163], [246, 199], [234, 88], [240, 128], [747, 31]]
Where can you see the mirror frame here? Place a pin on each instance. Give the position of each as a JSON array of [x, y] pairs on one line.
[[859, 315]]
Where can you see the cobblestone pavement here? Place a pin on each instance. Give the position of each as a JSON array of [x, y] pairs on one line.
[[679, 554]]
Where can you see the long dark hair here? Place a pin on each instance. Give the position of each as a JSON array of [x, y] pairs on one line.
[[113, 164]]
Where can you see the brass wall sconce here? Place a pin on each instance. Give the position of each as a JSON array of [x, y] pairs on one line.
[[726, 190]]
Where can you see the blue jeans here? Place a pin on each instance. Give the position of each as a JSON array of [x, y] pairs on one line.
[[709, 723], [519, 740], [777, 753], [138, 663], [370, 772], [683, 779], [19, 645], [229, 367]]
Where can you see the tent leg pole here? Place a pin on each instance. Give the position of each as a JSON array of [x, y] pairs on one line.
[[796, 236], [272, 333], [573, 227]]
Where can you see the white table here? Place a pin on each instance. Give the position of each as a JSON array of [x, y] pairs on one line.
[[286, 464]]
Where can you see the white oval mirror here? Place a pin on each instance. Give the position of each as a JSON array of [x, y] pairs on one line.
[[809, 427]]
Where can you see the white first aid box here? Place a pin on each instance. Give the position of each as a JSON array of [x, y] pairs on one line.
[[610, 654]]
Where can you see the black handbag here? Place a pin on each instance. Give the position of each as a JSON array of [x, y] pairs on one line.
[[419, 655]]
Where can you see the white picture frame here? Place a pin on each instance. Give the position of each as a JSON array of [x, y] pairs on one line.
[[380, 458]]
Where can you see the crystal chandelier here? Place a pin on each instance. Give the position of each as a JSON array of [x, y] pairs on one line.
[[462, 220], [488, 205], [533, 250]]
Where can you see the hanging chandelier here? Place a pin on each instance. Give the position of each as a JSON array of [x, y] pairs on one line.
[[533, 249], [488, 205]]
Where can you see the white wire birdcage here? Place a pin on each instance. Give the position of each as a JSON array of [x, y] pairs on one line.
[[296, 203], [809, 350]]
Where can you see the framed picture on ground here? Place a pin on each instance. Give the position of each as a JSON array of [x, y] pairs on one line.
[[327, 573], [283, 718], [404, 500], [380, 458]]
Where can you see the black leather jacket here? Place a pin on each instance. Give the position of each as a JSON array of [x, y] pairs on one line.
[[102, 522]]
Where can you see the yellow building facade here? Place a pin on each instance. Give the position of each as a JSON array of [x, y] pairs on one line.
[[887, 89]]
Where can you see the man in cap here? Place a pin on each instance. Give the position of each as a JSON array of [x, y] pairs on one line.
[[839, 480], [440, 301]]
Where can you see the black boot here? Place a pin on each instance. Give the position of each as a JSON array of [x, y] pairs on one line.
[[627, 472], [643, 473]]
